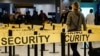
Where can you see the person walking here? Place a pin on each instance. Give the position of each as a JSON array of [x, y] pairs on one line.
[[74, 21]]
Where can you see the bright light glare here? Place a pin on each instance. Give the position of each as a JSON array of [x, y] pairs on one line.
[[86, 10]]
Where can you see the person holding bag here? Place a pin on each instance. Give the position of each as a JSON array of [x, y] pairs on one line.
[[74, 21]]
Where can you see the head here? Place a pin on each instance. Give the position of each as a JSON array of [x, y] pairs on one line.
[[75, 6], [28, 13], [70, 7], [41, 11], [35, 12], [91, 10]]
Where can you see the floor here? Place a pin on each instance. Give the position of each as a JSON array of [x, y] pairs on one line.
[[22, 50]]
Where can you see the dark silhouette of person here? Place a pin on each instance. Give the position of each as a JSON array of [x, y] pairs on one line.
[[28, 17], [35, 17], [5, 17], [18, 18], [12, 17], [64, 15], [42, 16], [97, 20], [1, 17]]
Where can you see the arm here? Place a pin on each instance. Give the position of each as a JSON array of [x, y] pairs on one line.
[[84, 23], [68, 22]]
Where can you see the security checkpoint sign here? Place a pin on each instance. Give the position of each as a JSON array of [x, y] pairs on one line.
[[29, 40], [28, 37], [81, 36], [24, 36], [77, 36], [45, 38]]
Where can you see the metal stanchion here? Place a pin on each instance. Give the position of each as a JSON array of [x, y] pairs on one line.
[[54, 50], [10, 51], [8, 24], [62, 24], [13, 50], [90, 43], [42, 54], [63, 42], [35, 46], [43, 45], [84, 48], [32, 28], [36, 50], [10, 47], [32, 47], [5, 51], [28, 50], [68, 49], [19, 25]]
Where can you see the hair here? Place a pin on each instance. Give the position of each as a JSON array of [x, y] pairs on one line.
[[77, 7], [28, 12], [70, 7], [91, 10], [76, 4], [41, 11]]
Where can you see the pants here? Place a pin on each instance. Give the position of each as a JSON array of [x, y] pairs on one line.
[[74, 49]]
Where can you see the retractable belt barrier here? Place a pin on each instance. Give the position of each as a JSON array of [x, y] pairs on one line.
[[22, 36]]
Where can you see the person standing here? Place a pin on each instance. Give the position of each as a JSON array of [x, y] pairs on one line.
[[64, 15], [35, 17], [42, 16], [5, 17], [28, 17], [90, 17], [74, 21]]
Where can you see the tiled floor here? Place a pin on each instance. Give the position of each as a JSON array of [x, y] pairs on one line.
[[22, 50]]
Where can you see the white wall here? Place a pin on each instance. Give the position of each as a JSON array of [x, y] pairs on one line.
[[45, 7], [86, 10]]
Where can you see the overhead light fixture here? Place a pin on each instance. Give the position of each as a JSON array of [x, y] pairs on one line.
[[6, 1]]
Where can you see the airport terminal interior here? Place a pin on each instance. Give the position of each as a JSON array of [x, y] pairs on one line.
[[37, 12]]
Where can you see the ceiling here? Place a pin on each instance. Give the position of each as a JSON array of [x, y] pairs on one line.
[[29, 1]]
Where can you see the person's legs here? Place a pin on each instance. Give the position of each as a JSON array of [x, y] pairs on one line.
[[74, 49]]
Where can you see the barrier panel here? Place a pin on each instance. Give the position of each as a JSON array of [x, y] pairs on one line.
[[44, 34], [26, 37]]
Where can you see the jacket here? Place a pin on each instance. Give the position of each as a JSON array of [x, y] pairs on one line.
[[72, 21]]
